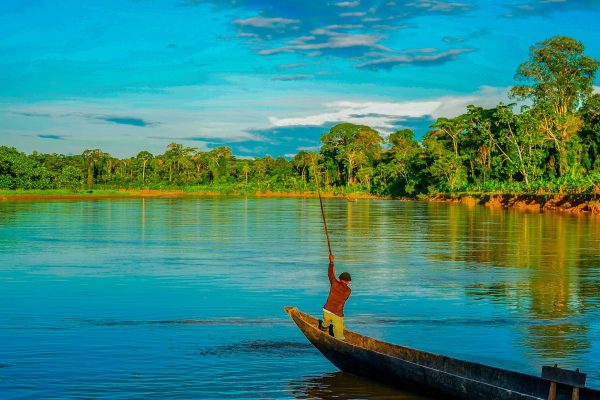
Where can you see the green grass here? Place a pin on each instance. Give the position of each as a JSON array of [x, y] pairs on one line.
[[61, 192]]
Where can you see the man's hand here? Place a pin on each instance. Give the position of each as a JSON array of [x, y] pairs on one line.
[[331, 258]]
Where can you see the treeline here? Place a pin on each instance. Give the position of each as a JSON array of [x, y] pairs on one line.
[[547, 142]]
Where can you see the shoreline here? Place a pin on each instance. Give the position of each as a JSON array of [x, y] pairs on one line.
[[563, 203], [579, 204], [6, 195]]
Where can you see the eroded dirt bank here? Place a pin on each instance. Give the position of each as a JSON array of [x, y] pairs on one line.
[[575, 204]]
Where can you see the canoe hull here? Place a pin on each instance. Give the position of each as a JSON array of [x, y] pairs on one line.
[[425, 372]]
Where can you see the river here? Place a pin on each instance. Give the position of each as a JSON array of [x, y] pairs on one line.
[[184, 297]]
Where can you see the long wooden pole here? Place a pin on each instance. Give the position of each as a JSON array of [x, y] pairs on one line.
[[322, 210]]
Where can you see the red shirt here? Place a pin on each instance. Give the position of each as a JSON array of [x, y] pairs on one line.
[[338, 294]]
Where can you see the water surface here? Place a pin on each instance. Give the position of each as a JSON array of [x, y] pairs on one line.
[[183, 298]]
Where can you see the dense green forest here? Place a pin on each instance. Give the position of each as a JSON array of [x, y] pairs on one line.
[[548, 141]]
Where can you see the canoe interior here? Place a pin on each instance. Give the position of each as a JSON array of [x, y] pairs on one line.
[[528, 386]]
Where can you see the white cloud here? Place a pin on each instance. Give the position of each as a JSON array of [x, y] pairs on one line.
[[268, 23], [439, 5], [353, 14], [81, 123], [330, 29], [213, 113], [293, 65], [348, 4], [340, 41], [383, 115], [390, 62]]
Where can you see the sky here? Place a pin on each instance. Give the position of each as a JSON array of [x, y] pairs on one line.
[[262, 77]]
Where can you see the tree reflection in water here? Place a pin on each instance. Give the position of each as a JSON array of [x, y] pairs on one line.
[[559, 281]]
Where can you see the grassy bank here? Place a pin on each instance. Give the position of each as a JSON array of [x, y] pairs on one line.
[[56, 194]]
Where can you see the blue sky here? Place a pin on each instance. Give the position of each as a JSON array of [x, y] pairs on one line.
[[263, 77]]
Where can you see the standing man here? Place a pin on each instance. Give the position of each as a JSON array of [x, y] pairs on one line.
[[333, 310]]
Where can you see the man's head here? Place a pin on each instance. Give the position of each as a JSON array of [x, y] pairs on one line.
[[345, 277]]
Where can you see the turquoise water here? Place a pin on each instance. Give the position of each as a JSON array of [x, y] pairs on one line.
[[183, 298]]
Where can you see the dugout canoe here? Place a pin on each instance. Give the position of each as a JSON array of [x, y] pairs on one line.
[[419, 371]]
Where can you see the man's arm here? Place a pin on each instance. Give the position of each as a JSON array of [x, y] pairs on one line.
[[331, 270]]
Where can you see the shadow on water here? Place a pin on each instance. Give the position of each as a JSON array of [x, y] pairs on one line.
[[340, 385]]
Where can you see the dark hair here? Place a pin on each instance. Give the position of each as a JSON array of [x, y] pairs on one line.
[[344, 276]]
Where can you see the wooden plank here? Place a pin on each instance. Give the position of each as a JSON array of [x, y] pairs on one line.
[[564, 376], [552, 394]]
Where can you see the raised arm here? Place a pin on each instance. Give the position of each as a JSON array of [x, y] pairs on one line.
[[331, 270]]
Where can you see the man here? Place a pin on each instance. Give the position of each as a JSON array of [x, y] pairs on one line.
[[333, 310]]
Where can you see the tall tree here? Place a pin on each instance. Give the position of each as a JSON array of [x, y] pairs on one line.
[[352, 146], [178, 158], [453, 128], [519, 141], [217, 160], [590, 132], [144, 157], [301, 162], [403, 162], [558, 78], [246, 169], [92, 160], [557, 74]]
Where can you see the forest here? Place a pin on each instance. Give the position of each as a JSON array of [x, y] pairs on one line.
[[547, 141]]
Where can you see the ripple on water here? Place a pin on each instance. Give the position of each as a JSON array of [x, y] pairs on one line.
[[259, 347]]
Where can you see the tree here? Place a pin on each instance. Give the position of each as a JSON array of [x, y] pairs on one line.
[[144, 157], [217, 161], [260, 170], [519, 141], [352, 147], [557, 74], [590, 132], [17, 171], [451, 127], [402, 164], [558, 78], [178, 159], [70, 177], [246, 170], [92, 160], [301, 162], [445, 167]]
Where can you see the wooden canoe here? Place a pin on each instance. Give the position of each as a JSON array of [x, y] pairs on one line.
[[418, 371]]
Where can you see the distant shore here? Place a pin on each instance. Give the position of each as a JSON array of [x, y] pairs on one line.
[[8, 195], [566, 203]]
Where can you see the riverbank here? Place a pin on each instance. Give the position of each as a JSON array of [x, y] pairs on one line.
[[574, 204], [24, 195]]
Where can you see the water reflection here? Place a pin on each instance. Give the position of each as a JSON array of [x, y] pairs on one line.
[[340, 385], [559, 258], [208, 278]]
